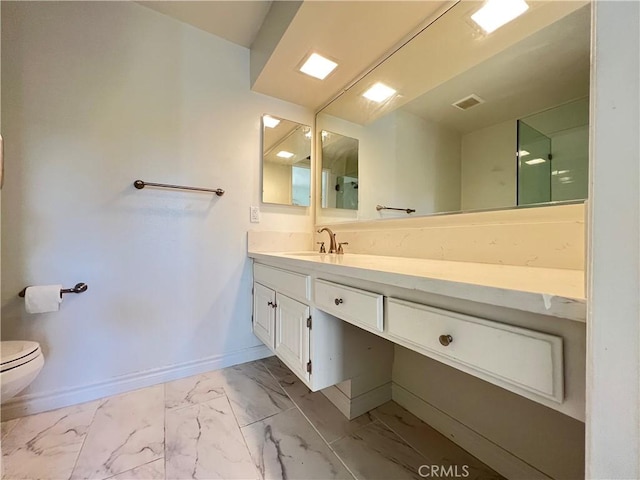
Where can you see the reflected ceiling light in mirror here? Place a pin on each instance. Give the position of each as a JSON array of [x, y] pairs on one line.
[[379, 92], [535, 161], [317, 66], [269, 121], [284, 154], [496, 13], [523, 153]]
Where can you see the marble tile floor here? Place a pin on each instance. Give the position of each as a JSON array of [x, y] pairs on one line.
[[250, 421]]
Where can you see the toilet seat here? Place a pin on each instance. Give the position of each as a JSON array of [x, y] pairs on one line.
[[16, 353]]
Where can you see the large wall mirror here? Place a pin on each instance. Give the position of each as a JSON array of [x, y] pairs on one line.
[[339, 183], [474, 121], [286, 162]]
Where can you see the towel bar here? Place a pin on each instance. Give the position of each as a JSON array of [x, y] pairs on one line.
[[139, 184]]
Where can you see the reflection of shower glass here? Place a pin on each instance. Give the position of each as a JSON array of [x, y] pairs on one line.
[[301, 185], [534, 165], [553, 154], [347, 192]]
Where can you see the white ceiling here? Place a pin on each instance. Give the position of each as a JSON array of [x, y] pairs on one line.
[[236, 21], [546, 69], [448, 48], [356, 34]]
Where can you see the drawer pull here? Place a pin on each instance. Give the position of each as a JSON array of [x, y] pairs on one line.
[[445, 340], [272, 305], [338, 301]]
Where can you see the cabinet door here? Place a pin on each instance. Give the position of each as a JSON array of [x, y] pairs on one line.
[[264, 300], [292, 335]]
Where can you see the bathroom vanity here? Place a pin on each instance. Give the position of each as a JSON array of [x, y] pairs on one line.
[[440, 309]]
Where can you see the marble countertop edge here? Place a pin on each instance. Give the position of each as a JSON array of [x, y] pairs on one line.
[[546, 291]]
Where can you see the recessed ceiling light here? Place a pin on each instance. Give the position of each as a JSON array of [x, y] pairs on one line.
[[317, 66], [379, 92], [284, 154], [523, 153], [535, 161], [496, 13], [269, 121]]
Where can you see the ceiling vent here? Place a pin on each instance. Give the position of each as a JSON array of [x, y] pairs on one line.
[[468, 102]]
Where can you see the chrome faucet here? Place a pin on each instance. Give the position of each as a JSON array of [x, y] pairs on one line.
[[332, 239]]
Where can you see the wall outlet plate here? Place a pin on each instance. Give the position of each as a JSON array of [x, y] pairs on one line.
[[255, 214]]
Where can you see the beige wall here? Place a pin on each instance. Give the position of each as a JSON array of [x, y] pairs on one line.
[[427, 165], [489, 170], [547, 440], [276, 183], [98, 94], [404, 161]]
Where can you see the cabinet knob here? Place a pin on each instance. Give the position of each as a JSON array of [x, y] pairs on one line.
[[338, 301], [272, 305], [445, 340]]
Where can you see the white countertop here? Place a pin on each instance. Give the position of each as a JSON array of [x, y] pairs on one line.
[[549, 291]]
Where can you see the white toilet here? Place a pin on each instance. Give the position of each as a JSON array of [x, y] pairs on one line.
[[21, 363]]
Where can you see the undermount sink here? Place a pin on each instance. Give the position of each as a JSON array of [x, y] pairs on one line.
[[307, 254]]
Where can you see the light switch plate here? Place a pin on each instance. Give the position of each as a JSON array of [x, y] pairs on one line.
[[255, 214]]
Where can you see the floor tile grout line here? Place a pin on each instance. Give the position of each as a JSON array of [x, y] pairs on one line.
[[6, 435], [84, 440], [296, 406], [356, 430], [133, 468], [325, 441], [276, 379], [164, 430], [375, 417], [481, 463], [193, 404], [422, 455], [267, 417], [244, 438], [448, 439], [15, 424]]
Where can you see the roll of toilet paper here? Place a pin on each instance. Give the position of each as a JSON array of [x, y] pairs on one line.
[[43, 298]]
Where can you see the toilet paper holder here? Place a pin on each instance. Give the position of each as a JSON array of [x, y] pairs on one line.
[[79, 288]]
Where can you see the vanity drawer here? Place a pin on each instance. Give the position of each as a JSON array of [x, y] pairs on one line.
[[356, 306], [294, 284], [502, 354]]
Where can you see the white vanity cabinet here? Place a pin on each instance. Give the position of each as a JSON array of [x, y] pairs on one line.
[[293, 322], [348, 302], [318, 347], [280, 321], [264, 315], [282, 324], [356, 306], [518, 359]]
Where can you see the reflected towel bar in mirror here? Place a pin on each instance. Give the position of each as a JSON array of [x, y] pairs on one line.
[[78, 288], [407, 210], [139, 184]]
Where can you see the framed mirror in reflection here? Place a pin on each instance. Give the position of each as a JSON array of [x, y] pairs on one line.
[[286, 162], [474, 121], [339, 179]]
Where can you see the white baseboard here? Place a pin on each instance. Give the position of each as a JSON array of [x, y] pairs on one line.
[[502, 461], [354, 407], [339, 399], [40, 402], [366, 402]]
